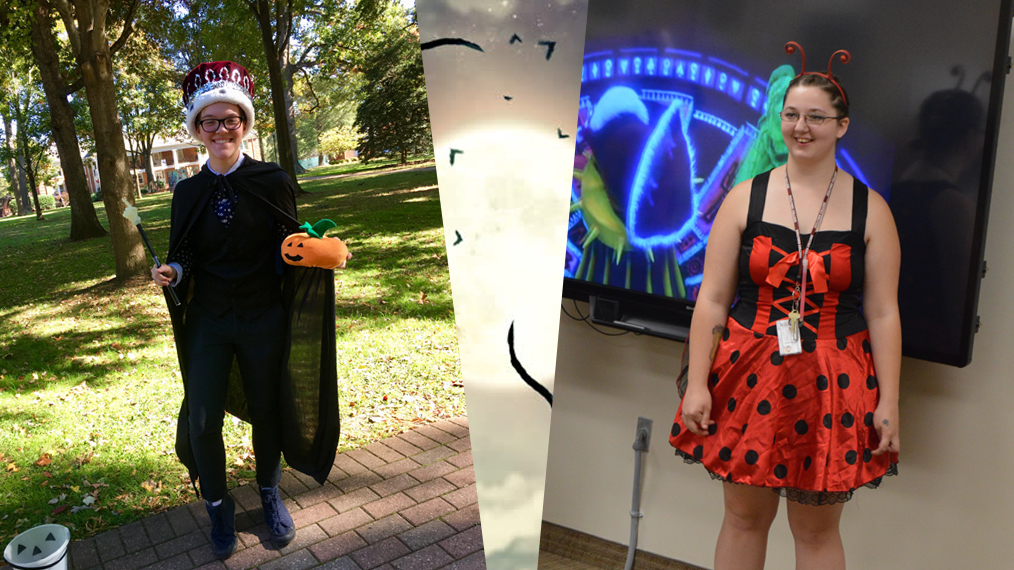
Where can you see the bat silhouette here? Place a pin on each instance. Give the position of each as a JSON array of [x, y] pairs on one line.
[[450, 42], [550, 47], [455, 152], [508, 98], [460, 239], [515, 38], [560, 134], [542, 391]]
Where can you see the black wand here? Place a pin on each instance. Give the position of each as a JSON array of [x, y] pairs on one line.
[[131, 214]]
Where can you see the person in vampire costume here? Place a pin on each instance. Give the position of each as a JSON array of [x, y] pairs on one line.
[[254, 336], [793, 391]]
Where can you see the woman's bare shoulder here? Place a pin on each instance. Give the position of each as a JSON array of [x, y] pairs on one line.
[[878, 216]]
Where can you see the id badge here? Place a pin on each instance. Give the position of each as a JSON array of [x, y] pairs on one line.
[[788, 343]]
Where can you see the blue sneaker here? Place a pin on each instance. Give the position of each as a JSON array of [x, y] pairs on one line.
[[276, 516], [223, 528]]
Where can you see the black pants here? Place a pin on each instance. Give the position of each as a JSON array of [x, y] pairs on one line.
[[256, 341]]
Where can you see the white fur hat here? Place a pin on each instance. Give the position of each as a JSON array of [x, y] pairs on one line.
[[217, 82]]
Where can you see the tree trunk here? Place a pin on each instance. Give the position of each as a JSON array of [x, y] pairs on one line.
[[316, 134], [12, 170], [25, 158], [146, 146], [24, 207], [289, 72], [132, 165], [286, 156], [35, 189], [260, 143], [97, 71], [84, 222]]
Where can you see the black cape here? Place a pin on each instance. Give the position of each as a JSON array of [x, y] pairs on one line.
[[309, 375]]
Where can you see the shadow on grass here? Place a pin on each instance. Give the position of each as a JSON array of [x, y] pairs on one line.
[[70, 357]]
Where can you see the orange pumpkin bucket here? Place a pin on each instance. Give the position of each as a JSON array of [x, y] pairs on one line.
[[312, 249]]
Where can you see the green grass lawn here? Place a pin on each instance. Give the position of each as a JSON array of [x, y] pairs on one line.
[[89, 381]]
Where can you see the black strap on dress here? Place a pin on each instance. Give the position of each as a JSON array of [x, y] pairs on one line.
[[860, 203], [758, 194]]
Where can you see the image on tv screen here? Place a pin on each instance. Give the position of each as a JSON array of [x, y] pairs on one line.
[[679, 101]]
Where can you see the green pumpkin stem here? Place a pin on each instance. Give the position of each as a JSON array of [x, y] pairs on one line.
[[319, 229], [323, 226], [309, 229]]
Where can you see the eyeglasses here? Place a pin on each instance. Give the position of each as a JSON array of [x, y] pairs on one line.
[[810, 118], [231, 123]]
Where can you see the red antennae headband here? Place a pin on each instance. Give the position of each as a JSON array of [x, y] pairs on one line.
[[845, 57]]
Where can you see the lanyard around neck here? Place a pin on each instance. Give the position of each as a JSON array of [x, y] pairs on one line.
[[801, 282]]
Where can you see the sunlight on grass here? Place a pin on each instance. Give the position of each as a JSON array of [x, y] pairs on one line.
[[90, 387]]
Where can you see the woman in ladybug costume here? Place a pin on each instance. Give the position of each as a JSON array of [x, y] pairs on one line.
[[794, 390]]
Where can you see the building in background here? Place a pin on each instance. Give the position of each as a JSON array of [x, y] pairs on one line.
[[172, 160]]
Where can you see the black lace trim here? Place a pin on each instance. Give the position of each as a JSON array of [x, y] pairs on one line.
[[802, 496]]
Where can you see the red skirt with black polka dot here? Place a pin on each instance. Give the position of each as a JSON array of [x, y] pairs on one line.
[[800, 424]]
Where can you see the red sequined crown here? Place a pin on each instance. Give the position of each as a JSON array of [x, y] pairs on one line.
[[208, 76]]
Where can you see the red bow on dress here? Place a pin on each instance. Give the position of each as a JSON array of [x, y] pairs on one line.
[[816, 273]]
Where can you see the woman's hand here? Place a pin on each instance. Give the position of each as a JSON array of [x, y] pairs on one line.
[[163, 275], [348, 256], [885, 419], [697, 410]]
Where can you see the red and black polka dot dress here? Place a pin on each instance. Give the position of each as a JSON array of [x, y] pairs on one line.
[[801, 424]]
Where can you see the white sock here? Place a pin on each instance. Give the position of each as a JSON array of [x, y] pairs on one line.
[[216, 503]]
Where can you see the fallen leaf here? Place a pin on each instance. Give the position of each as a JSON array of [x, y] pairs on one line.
[[88, 500], [44, 460], [12, 468], [59, 509]]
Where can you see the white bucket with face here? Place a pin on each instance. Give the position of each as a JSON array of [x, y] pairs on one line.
[[40, 548]]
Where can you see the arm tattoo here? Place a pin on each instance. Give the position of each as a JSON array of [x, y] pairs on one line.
[[887, 423], [717, 334]]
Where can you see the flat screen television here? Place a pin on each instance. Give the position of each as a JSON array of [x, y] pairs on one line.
[[679, 101]]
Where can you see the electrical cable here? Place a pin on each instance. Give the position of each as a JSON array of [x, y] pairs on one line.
[[563, 307], [589, 323]]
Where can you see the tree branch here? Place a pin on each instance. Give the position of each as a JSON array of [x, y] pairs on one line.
[[253, 8], [68, 22], [283, 24], [316, 101], [128, 27], [302, 63], [74, 87]]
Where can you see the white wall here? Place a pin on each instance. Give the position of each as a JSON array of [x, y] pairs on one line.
[[951, 506]]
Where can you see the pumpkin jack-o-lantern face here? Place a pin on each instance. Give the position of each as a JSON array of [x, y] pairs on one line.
[[293, 245], [312, 249]]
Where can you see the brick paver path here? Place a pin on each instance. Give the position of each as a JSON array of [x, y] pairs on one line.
[[404, 503]]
